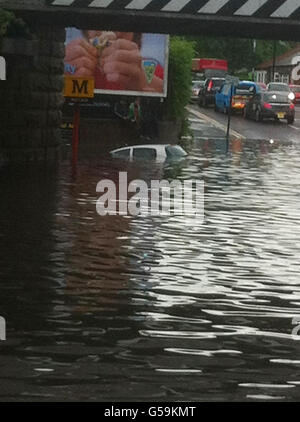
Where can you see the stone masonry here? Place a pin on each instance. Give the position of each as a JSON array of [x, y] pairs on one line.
[[31, 97]]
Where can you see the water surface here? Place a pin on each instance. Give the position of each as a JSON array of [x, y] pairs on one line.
[[155, 308]]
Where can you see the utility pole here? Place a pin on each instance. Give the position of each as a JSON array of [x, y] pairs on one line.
[[274, 60], [254, 60], [233, 82]]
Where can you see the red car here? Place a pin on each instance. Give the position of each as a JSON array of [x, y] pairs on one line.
[[296, 90]]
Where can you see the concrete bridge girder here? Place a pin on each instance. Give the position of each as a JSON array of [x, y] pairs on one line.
[[278, 19]]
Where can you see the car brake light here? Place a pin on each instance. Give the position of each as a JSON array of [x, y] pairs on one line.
[[210, 85], [292, 106], [267, 105]]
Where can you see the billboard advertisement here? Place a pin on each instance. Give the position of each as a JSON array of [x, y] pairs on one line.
[[122, 63]]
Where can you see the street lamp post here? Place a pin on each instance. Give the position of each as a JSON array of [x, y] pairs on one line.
[[274, 60], [254, 60]]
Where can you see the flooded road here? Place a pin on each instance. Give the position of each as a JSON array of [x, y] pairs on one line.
[[250, 129], [154, 308]]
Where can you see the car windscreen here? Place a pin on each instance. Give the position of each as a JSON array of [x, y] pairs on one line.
[[123, 153], [144, 153], [276, 98], [175, 151], [279, 87]]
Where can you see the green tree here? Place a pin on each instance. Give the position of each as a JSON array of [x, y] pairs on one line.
[[239, 52], [12, 26], [5, 19], [179, 88]]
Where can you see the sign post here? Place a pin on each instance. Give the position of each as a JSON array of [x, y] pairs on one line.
[[233, 81], [77, 90]]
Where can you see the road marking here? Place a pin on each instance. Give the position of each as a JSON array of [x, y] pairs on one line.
[[215, 123], [294, 127]]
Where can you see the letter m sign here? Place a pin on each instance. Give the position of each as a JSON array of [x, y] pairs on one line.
[[79, 87]]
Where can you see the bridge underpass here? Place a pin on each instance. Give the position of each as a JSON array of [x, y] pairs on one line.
[[35, 76]]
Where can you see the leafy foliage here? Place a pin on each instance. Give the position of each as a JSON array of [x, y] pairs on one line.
[[179, 89], [5, 19], [241, 53], [12, 26]]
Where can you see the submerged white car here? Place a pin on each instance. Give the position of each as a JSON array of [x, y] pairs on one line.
[[150, 152]]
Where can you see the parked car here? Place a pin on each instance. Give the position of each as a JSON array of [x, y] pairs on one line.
[[196, 86], [208, 91], [270, 105], [240, 95], [296, 90], [158, 152]]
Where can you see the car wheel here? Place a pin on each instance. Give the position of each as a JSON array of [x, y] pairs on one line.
[[258, 117]]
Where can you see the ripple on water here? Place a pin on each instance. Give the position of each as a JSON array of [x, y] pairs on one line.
[[137, 308]]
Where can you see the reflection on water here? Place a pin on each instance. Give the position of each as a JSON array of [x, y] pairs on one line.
[[155, 308]]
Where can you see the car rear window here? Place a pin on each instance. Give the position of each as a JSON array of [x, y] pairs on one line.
[[245, 89], [296, 88], [218, 82], [197, 85], [144, 153]]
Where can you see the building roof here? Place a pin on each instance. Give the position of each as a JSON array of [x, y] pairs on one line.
[[284, 59]]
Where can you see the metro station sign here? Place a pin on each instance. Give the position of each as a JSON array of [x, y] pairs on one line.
[[79, 87]]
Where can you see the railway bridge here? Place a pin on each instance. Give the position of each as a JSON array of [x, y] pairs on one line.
[[31, 96]]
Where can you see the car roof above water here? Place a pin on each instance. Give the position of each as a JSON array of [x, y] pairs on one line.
[[154, 146]]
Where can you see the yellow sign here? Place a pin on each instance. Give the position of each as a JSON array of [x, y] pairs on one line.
[[79, 87]]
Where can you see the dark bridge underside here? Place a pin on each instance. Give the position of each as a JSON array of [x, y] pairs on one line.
[[147, 20]]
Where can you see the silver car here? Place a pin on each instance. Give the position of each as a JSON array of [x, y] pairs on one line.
[[159, 153]]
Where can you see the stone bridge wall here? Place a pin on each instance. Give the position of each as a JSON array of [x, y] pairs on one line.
[[31, 97]]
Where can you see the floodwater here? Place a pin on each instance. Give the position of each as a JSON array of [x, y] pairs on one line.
[[153, 308]]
